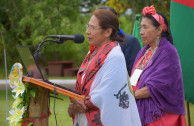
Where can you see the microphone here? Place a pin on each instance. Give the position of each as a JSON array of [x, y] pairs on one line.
[[78, 38]]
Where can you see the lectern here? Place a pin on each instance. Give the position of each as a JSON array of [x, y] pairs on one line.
[[38, 106]]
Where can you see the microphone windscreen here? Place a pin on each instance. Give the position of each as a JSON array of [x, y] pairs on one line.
[[79, 38]]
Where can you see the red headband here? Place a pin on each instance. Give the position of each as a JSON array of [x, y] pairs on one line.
[[151, 10]]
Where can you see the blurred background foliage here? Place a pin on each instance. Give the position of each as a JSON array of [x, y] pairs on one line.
[[27, 22]]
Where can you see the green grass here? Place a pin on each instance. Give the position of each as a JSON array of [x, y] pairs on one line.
[[63, 118], [191, 106], [60, 108], [3, 105]]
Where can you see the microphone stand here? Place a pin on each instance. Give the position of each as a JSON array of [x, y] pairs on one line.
[[36, 55], [41, 44]]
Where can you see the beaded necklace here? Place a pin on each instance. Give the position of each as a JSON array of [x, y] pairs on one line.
[[141, 65]]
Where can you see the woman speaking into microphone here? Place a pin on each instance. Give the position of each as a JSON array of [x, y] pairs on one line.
[[103, 79]]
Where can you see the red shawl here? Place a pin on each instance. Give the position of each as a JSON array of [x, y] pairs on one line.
[[93, 113]]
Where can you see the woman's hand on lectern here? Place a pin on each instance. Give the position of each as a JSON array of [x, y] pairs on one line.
[[78, 105], [71, 110]]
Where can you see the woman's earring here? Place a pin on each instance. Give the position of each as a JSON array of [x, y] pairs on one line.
[[157, 41]]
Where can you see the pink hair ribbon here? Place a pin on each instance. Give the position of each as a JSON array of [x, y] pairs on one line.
[[151, 10]]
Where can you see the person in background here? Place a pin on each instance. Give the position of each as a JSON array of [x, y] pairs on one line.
[[156, 76], [102, 78], [130, 46]]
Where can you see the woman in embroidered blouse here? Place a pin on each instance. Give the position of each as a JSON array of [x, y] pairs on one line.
[[102, 78], [156, 76]]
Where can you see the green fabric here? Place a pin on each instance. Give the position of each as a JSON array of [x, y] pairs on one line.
[[182, 28], [136, 29]]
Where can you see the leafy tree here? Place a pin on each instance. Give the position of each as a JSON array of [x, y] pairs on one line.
[[87, 6], [119, 5], [27, 22]]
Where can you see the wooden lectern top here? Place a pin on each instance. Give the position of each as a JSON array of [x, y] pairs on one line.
[[52, 87]]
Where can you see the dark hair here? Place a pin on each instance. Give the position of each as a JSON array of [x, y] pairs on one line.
[[109, 20], [166, 34], [108, 8]]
